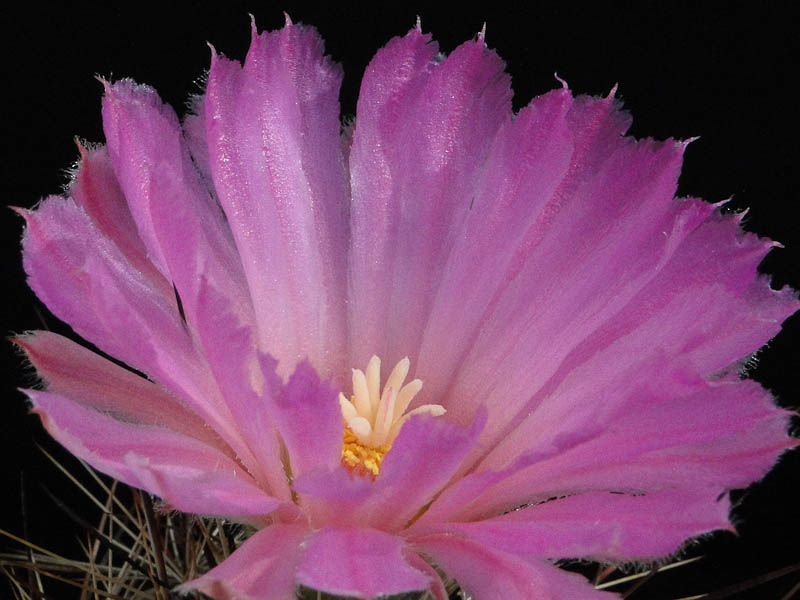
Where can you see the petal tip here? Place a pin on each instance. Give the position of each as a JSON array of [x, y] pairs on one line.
[[22, 212]]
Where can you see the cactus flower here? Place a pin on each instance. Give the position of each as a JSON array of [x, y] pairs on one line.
[[443, 341]]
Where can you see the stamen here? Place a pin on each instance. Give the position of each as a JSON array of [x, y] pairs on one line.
[[373, 418], [361, 459]]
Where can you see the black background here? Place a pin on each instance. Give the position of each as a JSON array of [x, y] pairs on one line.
[[721, 72]]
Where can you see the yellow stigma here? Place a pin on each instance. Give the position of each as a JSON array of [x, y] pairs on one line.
[[373, 417]]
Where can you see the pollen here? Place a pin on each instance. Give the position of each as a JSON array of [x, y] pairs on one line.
[[373, 417], [361, 459]]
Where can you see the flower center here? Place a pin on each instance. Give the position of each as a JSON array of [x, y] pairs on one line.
[[373, 417]]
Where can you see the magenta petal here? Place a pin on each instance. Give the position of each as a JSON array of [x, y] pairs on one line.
[[412, 182], [600, 525], [437, 588], [744, 436], [263, 568], [358, 562], [308, 417], [96, 190], [655, 407], [422, 460], [85, 377], [244, 382], [651, 398], [527, 161], [185, 232], [194, 131], [276, 159], [190, 475], [487, 573], [667, 422], [582, 209], [84, 279], [334, 497], [598, 214]]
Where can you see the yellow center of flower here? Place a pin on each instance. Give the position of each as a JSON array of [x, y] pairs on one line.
[[373, 417]]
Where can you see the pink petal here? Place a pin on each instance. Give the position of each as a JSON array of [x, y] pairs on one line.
[[422, 133], [190, 475], [437, 588], [530, 153], [564, 229], [486, 573], [603, 212], [670, 438], [185, 232], [85, 377], [194, 132], [334, 497], [263, 568], [422, 460], [645, 398], [66, 258], [309, 419], [234, 361], [96, 190], [709, 325], [276, 159], [358, 562], [599, 525], [719, 436], [84, 279]]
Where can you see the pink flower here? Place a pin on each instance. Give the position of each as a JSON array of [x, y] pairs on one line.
[[574, 332]]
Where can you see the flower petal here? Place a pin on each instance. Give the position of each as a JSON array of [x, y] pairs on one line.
[[358, 562], [422, 460], [85, 377], [599, 525], [263, 568], [84, 279], [486, 573], [437, 588], [190, 475], [422, 133], [276, 159], [734, 411], [601, 208], [244, 381], [194, 131], [185, 232], [97, 191], [741, 435], [651, 402], [308, 417], [521, 190], [710, 325]]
